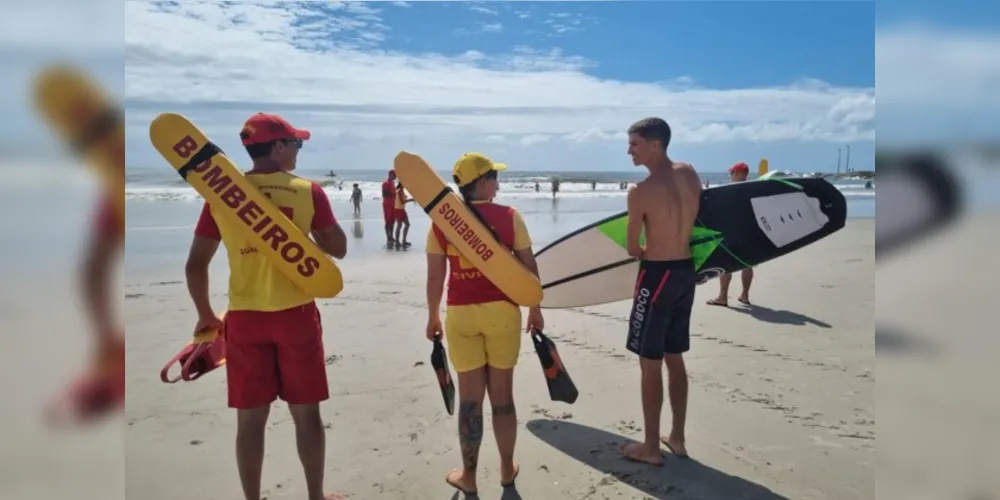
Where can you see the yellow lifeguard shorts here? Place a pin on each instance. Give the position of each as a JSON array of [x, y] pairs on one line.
[[483, 334]]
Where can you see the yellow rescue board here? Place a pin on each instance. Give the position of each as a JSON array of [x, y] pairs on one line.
[[466, 232], [203, 165], [84, 115]]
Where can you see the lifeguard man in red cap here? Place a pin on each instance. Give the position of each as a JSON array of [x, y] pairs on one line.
[[737, 173]]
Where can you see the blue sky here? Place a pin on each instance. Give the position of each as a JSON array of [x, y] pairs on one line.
[[553, 85], [540, 85]]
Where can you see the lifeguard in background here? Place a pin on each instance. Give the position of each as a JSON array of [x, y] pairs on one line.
[[400, 216], [389, 206]]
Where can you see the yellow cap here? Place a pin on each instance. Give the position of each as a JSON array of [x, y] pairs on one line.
[[472, 166]]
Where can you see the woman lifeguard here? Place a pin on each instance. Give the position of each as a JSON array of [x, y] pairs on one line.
[[482, 326]]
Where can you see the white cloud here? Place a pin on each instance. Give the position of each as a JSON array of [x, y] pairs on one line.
[[937, 85], [323, 68], [270, 59], [483, 10], [493, 28], [934, 66]]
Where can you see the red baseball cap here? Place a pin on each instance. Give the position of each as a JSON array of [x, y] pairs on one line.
[[266, 127], [739, 167], [392, 171]]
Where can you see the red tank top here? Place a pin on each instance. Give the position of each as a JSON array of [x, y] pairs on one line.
[[466, 284]]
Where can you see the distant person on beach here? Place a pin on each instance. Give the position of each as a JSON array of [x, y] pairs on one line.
[[537, 187], [274, 340], [665, 206], [593, 186], [389, 206], [555, 186], [356, 199], [737, 173], [401, 218], [483, 327]]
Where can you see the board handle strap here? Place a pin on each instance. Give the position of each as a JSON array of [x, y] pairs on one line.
[[204, 154], [437, 199]]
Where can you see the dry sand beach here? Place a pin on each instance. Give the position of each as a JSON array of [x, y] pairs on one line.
[[781, 405]]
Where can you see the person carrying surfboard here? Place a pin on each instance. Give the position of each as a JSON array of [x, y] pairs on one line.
[[389, 206], [664, 206], [400, 216], [737, 173], [482, 324], [274, 338]]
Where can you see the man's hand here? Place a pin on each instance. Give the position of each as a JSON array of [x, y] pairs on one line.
[[433, 327], [535, 320], [208, 323]]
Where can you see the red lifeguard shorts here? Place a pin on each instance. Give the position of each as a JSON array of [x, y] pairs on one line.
[[272, 355]]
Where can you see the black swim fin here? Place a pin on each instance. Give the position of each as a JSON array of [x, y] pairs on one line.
[[440, 363], [561, 387]]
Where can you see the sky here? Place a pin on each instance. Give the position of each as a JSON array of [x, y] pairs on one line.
[[553, 85]]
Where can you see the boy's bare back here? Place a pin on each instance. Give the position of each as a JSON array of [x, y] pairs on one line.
[[668, 202]]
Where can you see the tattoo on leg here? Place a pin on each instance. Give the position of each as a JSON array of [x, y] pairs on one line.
[[504, 410], [470, 432]]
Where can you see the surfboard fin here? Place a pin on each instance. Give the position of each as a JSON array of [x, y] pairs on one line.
[[561, 387], [440, 364]]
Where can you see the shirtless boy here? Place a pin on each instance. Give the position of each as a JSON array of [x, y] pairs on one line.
[[665, 204]]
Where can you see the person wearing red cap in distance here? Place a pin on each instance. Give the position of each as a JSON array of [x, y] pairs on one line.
[[737, 173], [274, 337], [389, 207]]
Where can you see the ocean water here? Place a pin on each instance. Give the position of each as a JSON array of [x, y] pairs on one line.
[[162, 209]]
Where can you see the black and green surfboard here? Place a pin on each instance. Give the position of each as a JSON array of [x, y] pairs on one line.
[[739, 225]]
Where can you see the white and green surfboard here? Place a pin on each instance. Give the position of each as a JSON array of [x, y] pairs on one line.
[[739, 225]]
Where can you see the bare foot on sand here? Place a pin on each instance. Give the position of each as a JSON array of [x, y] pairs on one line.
[[456, 478], [637, 452], [334, 496], [675, 446], [507, 477], [718, 301]]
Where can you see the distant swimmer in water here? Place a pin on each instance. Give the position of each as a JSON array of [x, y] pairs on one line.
[[555, 186], [356, 199], [401, 218], [273, 332], [737, 173], [389, 206], [482, 326], [537, 187], [868, 185], [593, 186], [664, 206]]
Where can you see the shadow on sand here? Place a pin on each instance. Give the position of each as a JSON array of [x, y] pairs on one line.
[[677, 478], [780, 317]]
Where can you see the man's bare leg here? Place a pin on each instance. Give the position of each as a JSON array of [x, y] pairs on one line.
[[406, 231], [310, 439], [677, 382], [652, 405], [723, 298], [747, 277], [471, 390], [500, 385], [250, 426], [399, 227]]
